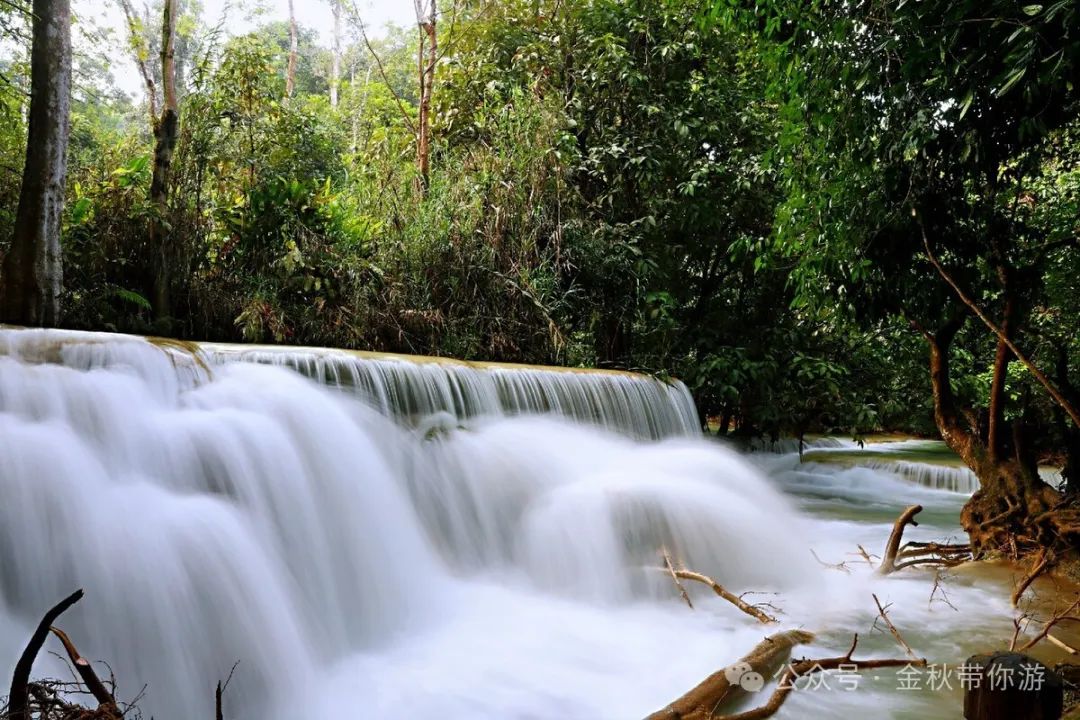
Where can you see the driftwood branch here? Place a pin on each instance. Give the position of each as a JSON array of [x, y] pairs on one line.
[[678, 573], [719, 689], [751, 610], [892, 628], [841, 566], [86, 672], [18, 697], [675, 578], [888, 561], [804, 668], [1044, 634], [726, 686]]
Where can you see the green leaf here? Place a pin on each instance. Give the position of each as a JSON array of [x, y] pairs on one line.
[[966, 104], [132, 297]]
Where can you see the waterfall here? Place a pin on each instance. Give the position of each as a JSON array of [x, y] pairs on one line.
[[436, 391], [953, 478], [218, 506]]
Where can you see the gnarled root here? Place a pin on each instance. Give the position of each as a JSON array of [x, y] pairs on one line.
[[913, 554]]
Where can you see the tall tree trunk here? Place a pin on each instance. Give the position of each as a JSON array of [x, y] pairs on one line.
[[32, 272], [427, 56], [166, 131], [1010, 513], [335, 61], [290, 71]]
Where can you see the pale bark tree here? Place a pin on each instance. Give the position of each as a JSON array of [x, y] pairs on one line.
[[32, 273], [427, 13], [290, 71], [335, 60]]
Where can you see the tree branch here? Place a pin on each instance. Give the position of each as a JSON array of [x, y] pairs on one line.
[[994, 328], [382, 71], [18, 696], [907, 517]]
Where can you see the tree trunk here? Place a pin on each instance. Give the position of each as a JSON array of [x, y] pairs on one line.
[[427, 55], [335, 61], [290, 71], [1010, 514], [32, 274], [166, 131]]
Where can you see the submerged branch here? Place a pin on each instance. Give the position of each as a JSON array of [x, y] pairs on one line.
[[892, 628]]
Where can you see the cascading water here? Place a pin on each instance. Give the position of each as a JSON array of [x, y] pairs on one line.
[[438, 540]]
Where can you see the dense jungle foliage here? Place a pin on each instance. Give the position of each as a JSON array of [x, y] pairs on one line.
[[732, 193]]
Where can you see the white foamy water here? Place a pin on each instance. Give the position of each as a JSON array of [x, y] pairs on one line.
[[424, 541]]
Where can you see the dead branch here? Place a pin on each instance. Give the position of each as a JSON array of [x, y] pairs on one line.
[[675, 577], [1061, 644], [20, 679], [703, 701], [752, 610], [888, 561], [866, 556], [804, 668], [86, 672], [930, 553], [718, 689], [892, 628], [219, 692], [939, 589], [1016, 634], [841, 566], [1058, 617], [1037, 567]]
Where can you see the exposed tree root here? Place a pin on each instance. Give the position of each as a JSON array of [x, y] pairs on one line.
[[914, 554], [1038, 565]]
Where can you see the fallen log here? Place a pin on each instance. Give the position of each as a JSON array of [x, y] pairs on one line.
[[719, 689], [805, 667], [704, 701]]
